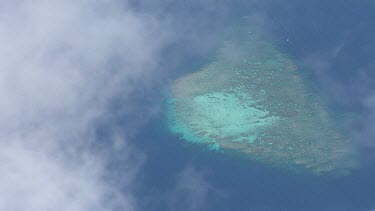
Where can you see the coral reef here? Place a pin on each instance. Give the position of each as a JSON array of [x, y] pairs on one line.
[[252, 100]]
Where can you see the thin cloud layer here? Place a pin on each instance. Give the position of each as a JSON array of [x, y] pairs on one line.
[[192, 190]]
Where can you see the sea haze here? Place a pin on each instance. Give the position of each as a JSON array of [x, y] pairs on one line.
[[332, 44]]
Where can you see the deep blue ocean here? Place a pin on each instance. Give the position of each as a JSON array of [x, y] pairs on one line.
[[333, 43]]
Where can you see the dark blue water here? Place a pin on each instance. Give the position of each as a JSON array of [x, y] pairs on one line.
[[332, 41]]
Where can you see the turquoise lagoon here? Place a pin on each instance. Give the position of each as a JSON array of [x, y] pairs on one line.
[[250, 99]]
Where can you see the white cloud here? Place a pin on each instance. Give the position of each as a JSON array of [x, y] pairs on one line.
[[61, 63]]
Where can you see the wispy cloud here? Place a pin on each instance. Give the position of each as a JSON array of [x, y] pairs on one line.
[[355, 95], [192, 190]]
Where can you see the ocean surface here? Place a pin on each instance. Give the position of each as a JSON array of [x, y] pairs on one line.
[[333, 45]]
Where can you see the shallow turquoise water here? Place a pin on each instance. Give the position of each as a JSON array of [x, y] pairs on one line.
[[313, 28], [251, 99]]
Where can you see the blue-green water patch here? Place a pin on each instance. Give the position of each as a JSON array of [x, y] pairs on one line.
[[251, 99]]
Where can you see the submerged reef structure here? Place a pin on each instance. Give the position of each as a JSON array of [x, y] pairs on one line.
[[250, 99]]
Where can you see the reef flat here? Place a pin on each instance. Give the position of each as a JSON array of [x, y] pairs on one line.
[[252, 100]]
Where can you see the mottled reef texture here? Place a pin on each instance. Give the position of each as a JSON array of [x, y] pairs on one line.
[[251, 100]]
